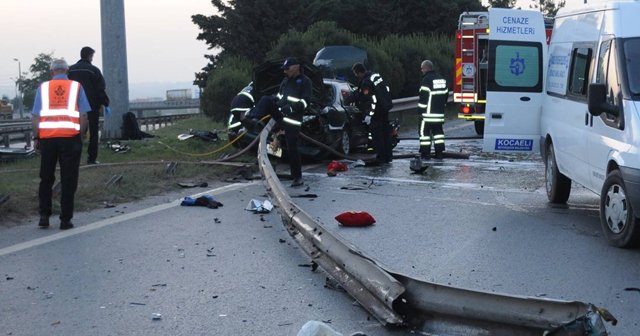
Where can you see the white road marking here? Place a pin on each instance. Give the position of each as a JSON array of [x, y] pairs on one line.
[[113, 220]]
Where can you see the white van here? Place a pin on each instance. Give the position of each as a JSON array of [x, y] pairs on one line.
[[588, 123]]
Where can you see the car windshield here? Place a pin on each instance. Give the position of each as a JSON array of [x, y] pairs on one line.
[[632, 59]]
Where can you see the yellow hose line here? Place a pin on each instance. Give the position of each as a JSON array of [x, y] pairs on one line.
[[230, 143]]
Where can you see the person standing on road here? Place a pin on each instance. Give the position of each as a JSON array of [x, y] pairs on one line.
[[433, 95], [374, 98], [93, 83], [59, 116], [287, 108]]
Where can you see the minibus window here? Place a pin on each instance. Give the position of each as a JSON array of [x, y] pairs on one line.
[[603, 62], [632, 57], [515, 66], [579, 71]]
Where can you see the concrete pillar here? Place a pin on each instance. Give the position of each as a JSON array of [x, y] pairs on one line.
[[114, 65]]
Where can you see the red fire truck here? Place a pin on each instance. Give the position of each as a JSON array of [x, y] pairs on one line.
[[472, 63]]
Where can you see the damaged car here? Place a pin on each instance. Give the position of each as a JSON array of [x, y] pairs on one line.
[[328, 124]]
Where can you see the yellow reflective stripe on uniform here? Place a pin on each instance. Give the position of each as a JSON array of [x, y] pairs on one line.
[[247, 95], [424, 106], [376, 79], [279, 96], [424, 88], [240, 109], [58, 125], [296, 100], [234, 125], [292, 121], [440, 92], [433, 115]]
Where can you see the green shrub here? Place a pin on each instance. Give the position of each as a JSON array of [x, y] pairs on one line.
[[225, 81]]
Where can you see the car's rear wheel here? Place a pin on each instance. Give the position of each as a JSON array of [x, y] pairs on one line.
[[619, 223], [344, 145], [557, 184]]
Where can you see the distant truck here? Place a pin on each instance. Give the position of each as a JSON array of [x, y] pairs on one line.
[[6, 110], [179, 94]]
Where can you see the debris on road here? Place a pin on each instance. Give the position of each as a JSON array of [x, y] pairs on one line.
[[335, 166], [355, 218], [417, 165], [193, 185], [156, 316], [204, 200], [259, 206], [304, 196]]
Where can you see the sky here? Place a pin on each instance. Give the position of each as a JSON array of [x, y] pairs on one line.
[[162, 50]]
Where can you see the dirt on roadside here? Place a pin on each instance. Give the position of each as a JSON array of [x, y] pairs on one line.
[[107, 185]]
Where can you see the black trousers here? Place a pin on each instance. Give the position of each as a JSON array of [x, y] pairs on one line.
[[67, 152], [94, 132], [381, 137], [435, 134]]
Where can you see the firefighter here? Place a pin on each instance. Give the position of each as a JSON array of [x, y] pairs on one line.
[[59, 115], [374, 99], [287, 108], [241, 104], [433, 95]]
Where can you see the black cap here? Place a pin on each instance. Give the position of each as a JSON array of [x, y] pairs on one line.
[[289, 62], [85, 52]]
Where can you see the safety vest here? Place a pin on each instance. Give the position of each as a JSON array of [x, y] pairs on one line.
[[59, 117]]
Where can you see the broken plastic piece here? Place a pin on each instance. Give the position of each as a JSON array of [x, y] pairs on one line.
[[317, 328], [156, 316], [355, 218], [358, 163], [259, 206]]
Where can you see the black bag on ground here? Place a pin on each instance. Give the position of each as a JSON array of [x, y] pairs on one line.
[[131, 129]]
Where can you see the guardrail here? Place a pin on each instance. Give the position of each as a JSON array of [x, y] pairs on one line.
[[398, 300], [21, 131]]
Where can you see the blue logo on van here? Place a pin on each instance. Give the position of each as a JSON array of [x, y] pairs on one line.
[[517, 65], [514, 144]]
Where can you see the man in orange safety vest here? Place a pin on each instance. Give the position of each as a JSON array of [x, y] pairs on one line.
[[59, 116]]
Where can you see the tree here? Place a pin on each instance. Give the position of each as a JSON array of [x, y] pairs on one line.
[[39, 72], [502, 3], [549, 8], [249, 28]]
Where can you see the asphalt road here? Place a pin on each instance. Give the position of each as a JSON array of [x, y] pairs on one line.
[[481, 223]]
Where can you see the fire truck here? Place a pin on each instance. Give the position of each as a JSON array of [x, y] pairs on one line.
[[472, 64]]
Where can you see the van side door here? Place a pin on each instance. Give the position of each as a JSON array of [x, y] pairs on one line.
[[565, 117], [517, 61], [607, 134]]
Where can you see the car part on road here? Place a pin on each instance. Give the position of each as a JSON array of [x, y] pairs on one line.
[[398, 300]]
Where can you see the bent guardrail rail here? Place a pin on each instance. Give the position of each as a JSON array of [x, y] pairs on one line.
[[398, 300]]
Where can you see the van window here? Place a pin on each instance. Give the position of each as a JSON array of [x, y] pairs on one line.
[[632, 56], [515, 66], [608, 75], [580, 62]]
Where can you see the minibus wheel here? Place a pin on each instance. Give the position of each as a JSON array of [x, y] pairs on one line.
[[479, 126], [557, 184], [619, 223]]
